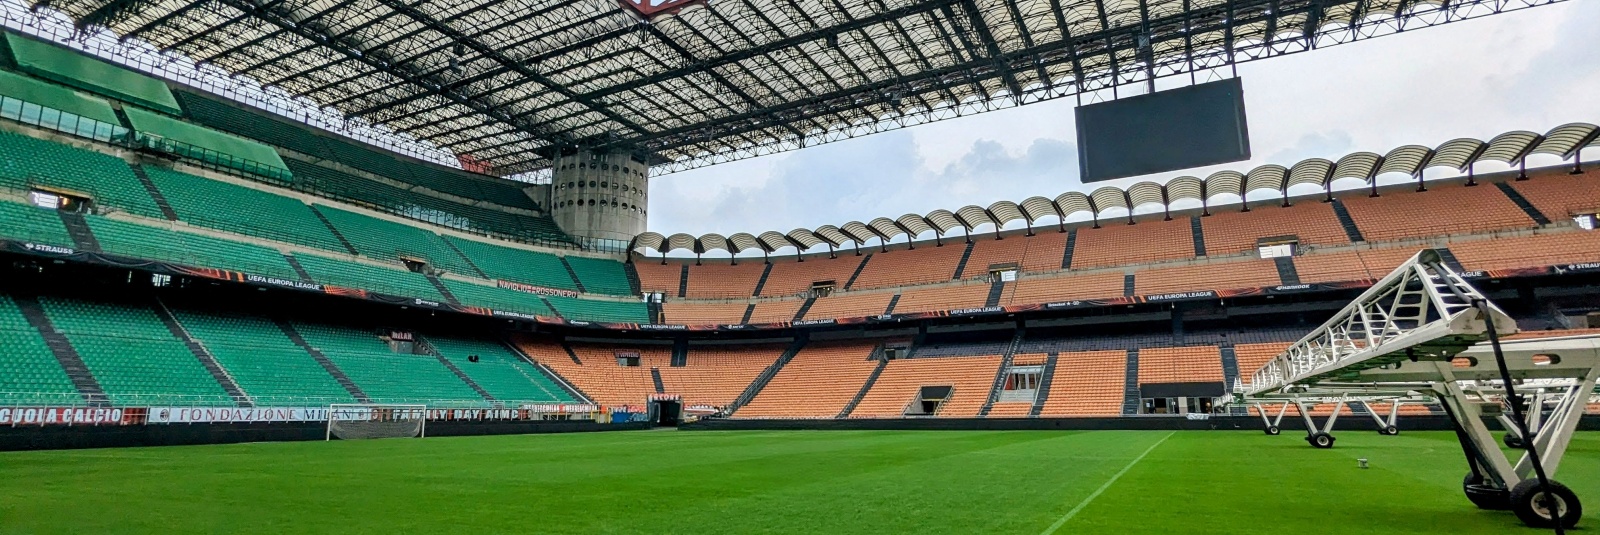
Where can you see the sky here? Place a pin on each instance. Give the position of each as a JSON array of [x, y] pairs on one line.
[[1530, 70]]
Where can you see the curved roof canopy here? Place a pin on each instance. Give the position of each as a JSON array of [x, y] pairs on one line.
[[512, 83], [1411, 160]]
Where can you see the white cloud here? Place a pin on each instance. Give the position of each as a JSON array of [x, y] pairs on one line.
[[1532, 69]]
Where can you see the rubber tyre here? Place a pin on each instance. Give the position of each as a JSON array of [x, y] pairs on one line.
[[1529, 503], [1485, 497], [1512, 441], [1389, 431], [1273, 430], [1320, 441]]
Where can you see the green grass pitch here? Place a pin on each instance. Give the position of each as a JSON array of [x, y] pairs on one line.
[[772, 482]]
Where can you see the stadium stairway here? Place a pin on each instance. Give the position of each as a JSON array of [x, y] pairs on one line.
[[439, 285], [1522, 202], [1045, 377], [762, 282], [570, 273], [207, 360], [1130, 385], [572, 390], [767, 374], [996, 290], [965, 256], [655, 377], [680, 353], [1198, 231], [632, 272], [1351, 231], [1230, 374], [999, 384], [338, 374], [300, 270], [1449, 259], [428, 346], [1066, 254], [749, 310], [155, 193], [348, 247], [805, 307], [82, 238], [83, 380], [892, 302], [877, 354], [683, 281], [857, 273], [1287, 274], [450, 244]]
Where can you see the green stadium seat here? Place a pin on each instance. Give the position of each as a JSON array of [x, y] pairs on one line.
[[195, 250], [497, 298], [33, 224], [238, 209], [132, 354], [29, 373], [512, 264], [263, 126], [601, 275], [266, 365], [348, 274], [502, 373], [382, 239], [386, 376], [27, 162], [601, 311]]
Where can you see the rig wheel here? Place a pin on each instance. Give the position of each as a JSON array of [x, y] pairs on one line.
[[1546, 507]]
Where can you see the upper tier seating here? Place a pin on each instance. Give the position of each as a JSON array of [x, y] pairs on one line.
[[1180, 364], [513, 264], [849, 305], [263, 361], [723, 280], [902, 380], [658, 277], [817, 383], [34, 224], [1045, 251], [1445, 210], [902, 267], [1252, 357], [691, 313], [131, 353], [1559, 195], [1116, 243], [795, 278], [603, 311], [1066, 288], [499, 371], [496, 298], [69, 67], [717, 375], [776, 311], [27, 162], [938, 299], [1087, 384], [599, 375], [988, 251], [191, 249], [385, 375], [242, 210], [1255, 273], [387, 240], [1528, 251], [29, 372], [1229, 231], [236, 119], [1365, 264], [357, 275], [601, 275]]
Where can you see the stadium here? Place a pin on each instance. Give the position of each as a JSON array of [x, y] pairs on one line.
[[244, 239]]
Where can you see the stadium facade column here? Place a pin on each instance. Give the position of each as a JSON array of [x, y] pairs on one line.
[[600, 196]]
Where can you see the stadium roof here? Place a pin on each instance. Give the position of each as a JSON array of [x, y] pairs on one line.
[[511, 83], [1513, 148]]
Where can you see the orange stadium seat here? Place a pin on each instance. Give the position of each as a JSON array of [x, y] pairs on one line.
[[1252, 357], [1088, 383], [655, 277], [1529, 251], [1363, 264], [901, 380], [849, 305], [1444, 210], [795, 278], [820, 380], [716, 375], [1180, 365], [925, 264], [1559, 195], [989, 251], [1045, 251], [776, 311], [1033, 290], [1117, 243], [1255, 273], [944, 298], [724, 280], [702, 313], [599, 376], [1230, 231], [1016, 409]]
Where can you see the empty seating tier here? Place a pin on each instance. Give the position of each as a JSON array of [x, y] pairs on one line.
[[497, 298], [513, 264], [1229, 231], [723, 280], [131, 353], [190, 249], [1046, 251], [248, 211], [988, 252], [1066, 288], [599, 374], [1197, 364], [29, 372], [817, 383], [1087, 383], [1255, 273], [898, 387], [1559, 195], [849, 306], [27, 162], [776, 311], [263, 361], [357, 275], [926, 264], [601, 275], [385, 375], [382, 239], [789, 277], [499, 371], [692, 313], [715, 376], [1528, 251], [1117, 243], [940, 299], [1449, 210], [33, 224], [597, 310]]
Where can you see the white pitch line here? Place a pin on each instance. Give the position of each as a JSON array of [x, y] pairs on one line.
[[1085, 503]]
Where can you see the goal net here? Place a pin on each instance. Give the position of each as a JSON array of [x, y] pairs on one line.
[[348, 422]]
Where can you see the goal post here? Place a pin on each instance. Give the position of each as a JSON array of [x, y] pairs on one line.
[[362, 421]]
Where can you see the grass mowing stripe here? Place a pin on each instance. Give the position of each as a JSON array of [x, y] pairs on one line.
[[1085, 503]]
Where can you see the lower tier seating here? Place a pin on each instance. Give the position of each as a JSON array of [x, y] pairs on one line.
[[715, 376], [136, 360], [897, 387], [598, 372], [29, 372], [499, 371], [817, 383], [387, 376], [1088, 383], [263, 361]]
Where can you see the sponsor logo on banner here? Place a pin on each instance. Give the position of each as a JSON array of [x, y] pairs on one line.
[[426, 303], [48, 248], [1181, 295], [1585, 266], [1199, 416], [220, 415], [979, 310], [539, 290], [286, 283], [1064, 304], [1291, 288], [67, 416]]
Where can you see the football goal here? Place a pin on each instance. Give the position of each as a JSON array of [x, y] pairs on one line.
[[351, 421]]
